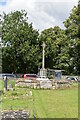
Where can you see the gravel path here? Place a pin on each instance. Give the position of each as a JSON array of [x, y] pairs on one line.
[[15, 115]]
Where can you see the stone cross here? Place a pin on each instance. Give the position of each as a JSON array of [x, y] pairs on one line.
[[43, 59]]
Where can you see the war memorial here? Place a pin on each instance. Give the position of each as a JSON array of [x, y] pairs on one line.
[[43, 82]]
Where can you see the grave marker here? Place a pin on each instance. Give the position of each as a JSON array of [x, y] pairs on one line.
[[5, 83]]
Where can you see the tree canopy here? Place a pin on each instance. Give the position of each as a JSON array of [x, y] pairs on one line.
[[72, 31], [22, 50]]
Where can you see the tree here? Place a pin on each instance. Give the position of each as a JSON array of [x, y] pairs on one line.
[[0, 47], [72, 25], [22, 51], [55, 40], [20, 43]]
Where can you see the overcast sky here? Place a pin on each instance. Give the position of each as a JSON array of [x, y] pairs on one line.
[[42, 13]]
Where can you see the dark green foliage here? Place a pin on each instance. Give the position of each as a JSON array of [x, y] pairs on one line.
[[72, 31], [63, 46], [54, 39], [20, 51]]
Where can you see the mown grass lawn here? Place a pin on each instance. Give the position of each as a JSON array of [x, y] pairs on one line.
[[56, 104], [44, 103]]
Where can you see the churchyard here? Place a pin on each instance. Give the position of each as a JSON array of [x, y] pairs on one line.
[[42, 103], [41, 97], [46, 45]]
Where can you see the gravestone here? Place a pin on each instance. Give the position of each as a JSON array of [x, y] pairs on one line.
[[5, 83], [10, 87], [31, 93]]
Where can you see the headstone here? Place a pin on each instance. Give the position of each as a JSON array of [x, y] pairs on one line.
[[5, 83], [10, 87], [31, 93]]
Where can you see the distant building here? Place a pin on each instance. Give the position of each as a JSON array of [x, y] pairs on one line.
[[57, 74]]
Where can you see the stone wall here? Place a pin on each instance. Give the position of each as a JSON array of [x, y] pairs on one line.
[[27, 83], [58, 84]]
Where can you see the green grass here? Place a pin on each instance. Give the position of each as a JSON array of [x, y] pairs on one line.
[[44, 103], [8, 82], [56, 104], [15, 103]]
